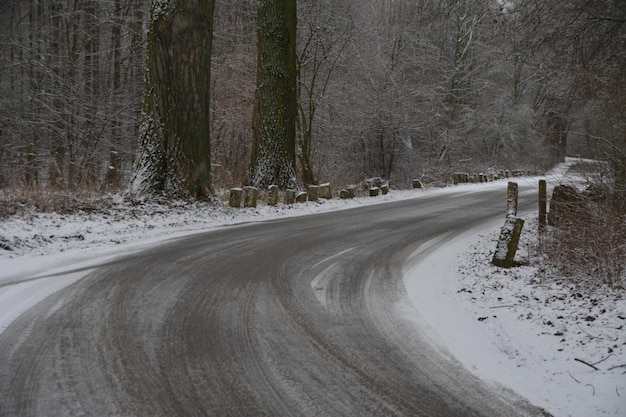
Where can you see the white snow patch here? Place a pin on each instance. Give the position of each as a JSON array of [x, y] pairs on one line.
[[522, 329]]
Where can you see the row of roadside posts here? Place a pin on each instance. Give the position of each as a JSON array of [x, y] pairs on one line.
[[504, 256]]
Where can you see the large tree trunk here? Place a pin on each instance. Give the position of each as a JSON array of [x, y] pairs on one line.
[[174, 138], [273, 151]]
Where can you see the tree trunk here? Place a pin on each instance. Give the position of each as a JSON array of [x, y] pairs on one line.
[[273, 150], [174, 136]]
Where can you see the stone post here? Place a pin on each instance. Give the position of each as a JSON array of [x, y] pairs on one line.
[[272, 199], [301, 197], [313, 192], [250, 196], [325, 191], [290, 196], [504, 256], [511, 199], [235, 197]]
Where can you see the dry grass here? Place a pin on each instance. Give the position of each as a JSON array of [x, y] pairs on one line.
[[16, 201]]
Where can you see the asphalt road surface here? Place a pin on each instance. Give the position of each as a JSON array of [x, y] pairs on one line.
[[298, 317]]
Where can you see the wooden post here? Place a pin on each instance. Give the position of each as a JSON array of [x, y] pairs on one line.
[[374, 191], [384, 189], [351, 191], [504, 256], [235, 197], [344, 194], [272, 199], [543, 199], [511, 199], [417, 184]]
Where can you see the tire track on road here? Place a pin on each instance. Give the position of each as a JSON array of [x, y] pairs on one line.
[[141, 382], [387, 394]]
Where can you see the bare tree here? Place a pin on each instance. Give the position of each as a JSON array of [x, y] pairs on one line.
[[69, 89], [580, 45], [325, 30], [233, 78]]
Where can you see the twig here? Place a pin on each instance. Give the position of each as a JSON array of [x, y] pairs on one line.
[[587, 333], [602, 360], [504, 306], [571, 376], [617, 366], [593, 390], [586, 363]]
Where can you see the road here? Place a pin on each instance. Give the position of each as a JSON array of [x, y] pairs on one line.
[[297, 317]]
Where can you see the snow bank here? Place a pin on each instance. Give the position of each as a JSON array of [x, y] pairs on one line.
[[535, 334]]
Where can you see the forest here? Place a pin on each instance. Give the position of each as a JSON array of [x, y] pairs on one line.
[[398, 89]]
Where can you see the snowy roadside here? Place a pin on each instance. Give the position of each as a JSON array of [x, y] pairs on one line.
[[534, 334]]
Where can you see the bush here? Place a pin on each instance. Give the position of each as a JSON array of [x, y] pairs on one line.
[[591, 244]]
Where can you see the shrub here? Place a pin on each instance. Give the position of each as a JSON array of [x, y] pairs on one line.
[[592, 244]]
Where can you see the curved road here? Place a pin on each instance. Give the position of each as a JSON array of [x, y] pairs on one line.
[[297, 317]]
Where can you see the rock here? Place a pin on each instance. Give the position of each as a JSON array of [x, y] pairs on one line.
[[566, 205]]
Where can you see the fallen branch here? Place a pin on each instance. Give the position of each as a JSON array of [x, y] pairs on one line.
[[586, 363]]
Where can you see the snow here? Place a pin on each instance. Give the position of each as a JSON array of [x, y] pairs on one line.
[[521, 328]]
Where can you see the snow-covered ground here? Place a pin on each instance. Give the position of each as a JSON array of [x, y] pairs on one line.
[[537, 335], [531, 332]]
